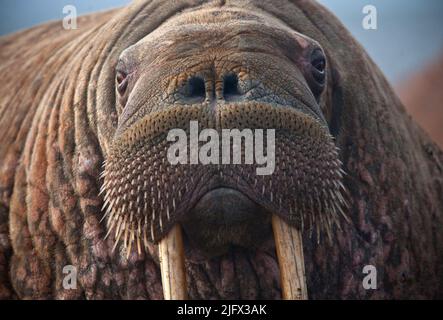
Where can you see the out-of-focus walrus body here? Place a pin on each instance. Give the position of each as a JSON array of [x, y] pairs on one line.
[[73, 99]]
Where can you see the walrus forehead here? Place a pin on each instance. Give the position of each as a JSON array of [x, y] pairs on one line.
[[231, 27]]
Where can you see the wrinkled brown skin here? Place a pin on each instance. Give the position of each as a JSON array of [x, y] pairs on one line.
[[57, 116]]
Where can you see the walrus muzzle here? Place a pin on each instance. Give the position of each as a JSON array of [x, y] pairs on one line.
[[146, 196]]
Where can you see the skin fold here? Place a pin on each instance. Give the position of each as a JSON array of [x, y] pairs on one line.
[[65, 120]]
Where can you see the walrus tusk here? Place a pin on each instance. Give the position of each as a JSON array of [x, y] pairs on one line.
[[172, 265], [288, 243], [289, 247]]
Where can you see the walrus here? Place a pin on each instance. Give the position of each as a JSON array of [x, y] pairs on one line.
[[85, 181]]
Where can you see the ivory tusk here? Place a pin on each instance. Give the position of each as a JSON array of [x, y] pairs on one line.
[[172, 265], [289, 247]]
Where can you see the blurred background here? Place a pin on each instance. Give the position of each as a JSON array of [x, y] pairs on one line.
[[407, 45]]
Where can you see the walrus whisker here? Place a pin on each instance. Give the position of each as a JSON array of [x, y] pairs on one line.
[[110, 229], [106, 214], [107, 233], [105, 204], [117, 239], [138, 236], [102, 189], [129, 244], [152, 231], [145, 239], [126, 232]]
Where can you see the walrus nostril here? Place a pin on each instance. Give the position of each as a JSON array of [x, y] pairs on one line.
[[196, 88], [230, 86]]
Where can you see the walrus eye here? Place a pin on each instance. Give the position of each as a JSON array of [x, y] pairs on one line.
[[122, 82], [318, 62]]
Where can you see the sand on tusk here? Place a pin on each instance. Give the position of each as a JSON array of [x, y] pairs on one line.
[[289, 247], [172, 265]]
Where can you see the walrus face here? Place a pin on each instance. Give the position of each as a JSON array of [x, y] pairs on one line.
[[227, 70]]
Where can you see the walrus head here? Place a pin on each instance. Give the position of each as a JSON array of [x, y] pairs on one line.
[[223, 69], [104, 100]]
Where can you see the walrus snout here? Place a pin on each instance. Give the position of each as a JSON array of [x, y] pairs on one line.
[[146, 193]]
